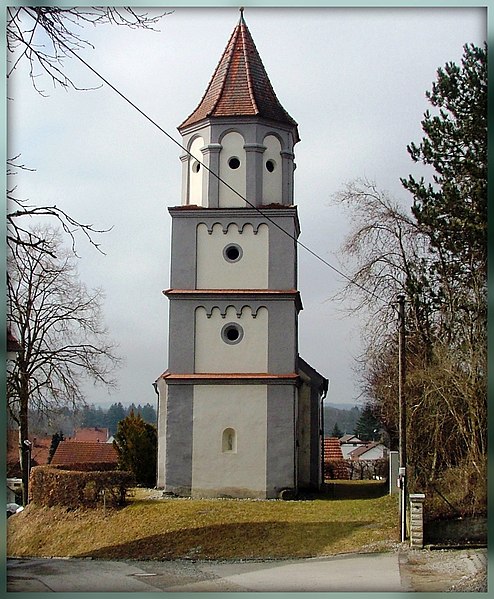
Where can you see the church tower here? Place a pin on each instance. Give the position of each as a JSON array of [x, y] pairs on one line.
[[237, 416]]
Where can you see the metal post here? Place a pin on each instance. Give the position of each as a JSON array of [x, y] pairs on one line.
[[26, 472], [402, 414]]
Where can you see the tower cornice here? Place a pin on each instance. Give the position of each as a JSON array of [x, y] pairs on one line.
[[193, 211], [241, 378], [236, 295]]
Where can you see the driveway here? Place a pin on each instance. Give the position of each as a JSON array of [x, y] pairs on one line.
[[400, 571], [365, 573]]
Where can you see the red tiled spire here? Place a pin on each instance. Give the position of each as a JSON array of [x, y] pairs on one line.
[[240, 85]]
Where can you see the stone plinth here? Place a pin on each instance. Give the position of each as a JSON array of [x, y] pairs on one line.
[[417, 520]]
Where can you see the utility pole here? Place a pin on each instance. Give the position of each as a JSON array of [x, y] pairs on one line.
[[402, 414]]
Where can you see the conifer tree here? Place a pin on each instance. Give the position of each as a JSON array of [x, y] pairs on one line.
[[136, 442], [368, 426], [452, 208], [336, 432]]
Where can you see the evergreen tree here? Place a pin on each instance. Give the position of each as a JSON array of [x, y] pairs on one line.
[[87, 416], [115, 414], [368, 426], [336, 432], [136, 442], [92, 416], [436, 256], [452, 209], [149, 413]]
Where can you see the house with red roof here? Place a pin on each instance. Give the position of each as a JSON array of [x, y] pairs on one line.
[[369, 451], [72, 453], [349, 443], [13, 346]]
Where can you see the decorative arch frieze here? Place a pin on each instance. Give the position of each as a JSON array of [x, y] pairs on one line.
[[240, 309], [225, 224]]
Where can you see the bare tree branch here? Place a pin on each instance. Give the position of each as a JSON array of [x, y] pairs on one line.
[[20, 210], [44, 36]]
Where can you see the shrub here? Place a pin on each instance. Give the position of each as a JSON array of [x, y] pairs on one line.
[[51, 485]]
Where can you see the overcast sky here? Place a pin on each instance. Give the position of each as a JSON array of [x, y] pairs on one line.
[[354, 80]]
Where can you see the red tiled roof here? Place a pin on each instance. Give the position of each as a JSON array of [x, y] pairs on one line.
[[332, 449], [94, 435], [13, 466], [240, 85], [75, 452]]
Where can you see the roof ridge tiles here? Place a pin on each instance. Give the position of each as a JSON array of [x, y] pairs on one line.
[[243, 31]]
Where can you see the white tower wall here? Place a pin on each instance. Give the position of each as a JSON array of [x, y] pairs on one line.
[[217, 470], [247, 353], [246, 268]]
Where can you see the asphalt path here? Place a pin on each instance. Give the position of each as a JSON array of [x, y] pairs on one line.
[[355, 573]]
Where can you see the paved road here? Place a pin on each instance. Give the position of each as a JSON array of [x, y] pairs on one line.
[[358, 573]]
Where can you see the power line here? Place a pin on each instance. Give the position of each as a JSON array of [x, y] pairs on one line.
[[263, 214]]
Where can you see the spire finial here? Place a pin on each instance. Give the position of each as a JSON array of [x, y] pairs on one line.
[[241, 13]]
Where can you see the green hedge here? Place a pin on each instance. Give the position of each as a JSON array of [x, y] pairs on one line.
[[52, 485]]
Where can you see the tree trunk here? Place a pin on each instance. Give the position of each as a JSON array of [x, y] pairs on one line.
[[24, 448]]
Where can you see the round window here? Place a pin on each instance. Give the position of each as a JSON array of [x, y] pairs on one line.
[[270, 165], [232, 333], [196, 166], [232, 252], [234, 163]]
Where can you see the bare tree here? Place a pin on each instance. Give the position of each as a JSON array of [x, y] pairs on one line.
[[46, 36], [387, 254], [58, 322]]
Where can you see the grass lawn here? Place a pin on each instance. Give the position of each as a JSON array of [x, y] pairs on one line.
[[211, 528]]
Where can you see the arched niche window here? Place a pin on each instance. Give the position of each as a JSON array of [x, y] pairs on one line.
[[272, 181], [196, 195], [232, 171], [229, 441]]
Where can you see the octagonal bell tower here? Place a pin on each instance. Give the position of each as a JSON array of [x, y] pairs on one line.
[[229, 402]]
